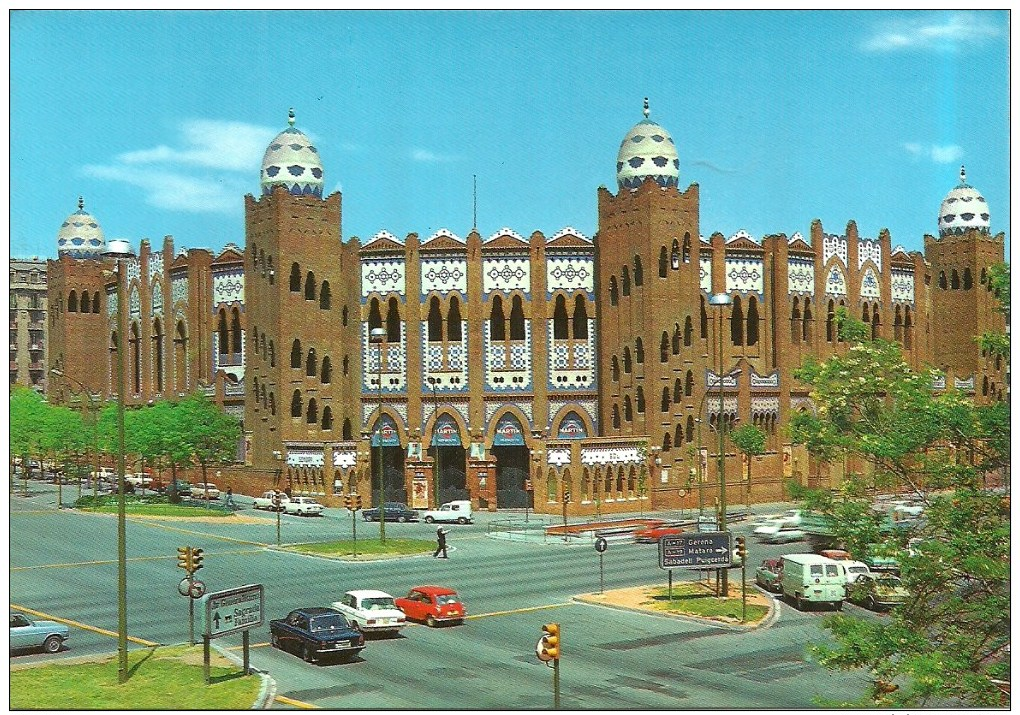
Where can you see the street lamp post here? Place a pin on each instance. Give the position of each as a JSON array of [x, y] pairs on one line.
[[56, 371], [720, 301], [376, 336], [119, 250]]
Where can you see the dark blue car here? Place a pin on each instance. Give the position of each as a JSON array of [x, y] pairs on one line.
[[316, 634], [395, 511]]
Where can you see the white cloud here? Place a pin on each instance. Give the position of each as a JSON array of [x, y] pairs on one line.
[[946, 31], [938, 153], [430, 156], [233, 146], [174, 191]]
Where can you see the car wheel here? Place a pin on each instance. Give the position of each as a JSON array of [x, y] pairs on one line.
[[871, 603], [52, 644], [461, 520], [429, 520], [799, 603], [309, 654], [839, 605], [402, 519], [430, 621]]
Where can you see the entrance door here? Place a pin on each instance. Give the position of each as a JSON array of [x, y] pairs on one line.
[[450, 460], [513, 459], [386, 446]]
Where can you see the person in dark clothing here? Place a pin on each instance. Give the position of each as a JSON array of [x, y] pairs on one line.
[[441, 541], [230, 504]]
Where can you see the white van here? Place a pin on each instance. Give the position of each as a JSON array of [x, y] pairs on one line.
[[454, 511], [810, 578]]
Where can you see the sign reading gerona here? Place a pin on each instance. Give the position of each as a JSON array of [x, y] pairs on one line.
[[697, 550]]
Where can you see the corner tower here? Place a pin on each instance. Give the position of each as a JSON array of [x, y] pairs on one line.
[[961, 299]]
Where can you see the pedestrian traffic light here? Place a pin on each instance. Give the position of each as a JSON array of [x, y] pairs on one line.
[[184, 558], [527, 485], [196, 559], [741, 547], [549, 646], [349, 502], [357, 502]]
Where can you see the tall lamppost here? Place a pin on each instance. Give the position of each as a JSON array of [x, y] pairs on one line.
[[119, 250], [376, 337], [436, 472], [720, 301], [57, 372]]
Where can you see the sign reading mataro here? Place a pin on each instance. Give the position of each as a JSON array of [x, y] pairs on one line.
[[233, 610], [696, 550]]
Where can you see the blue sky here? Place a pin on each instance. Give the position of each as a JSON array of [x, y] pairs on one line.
[[160, 119]]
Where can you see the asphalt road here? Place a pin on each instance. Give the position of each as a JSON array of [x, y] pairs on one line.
[[63, 564]]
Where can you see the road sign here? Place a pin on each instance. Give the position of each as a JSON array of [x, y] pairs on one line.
[[601, 545], [696, 550], [184, 587], [233, 610], [197, 589]]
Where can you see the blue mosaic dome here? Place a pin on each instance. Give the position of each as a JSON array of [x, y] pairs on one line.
[[647, 150], [292, 161], [80, 236], [964, 209]]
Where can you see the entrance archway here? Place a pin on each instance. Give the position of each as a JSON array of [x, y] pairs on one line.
[[450, 459], [386, 444], [513, 459]]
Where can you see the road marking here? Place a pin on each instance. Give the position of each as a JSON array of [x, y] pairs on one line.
[[134, 558], [250, 645], [191, 532], [84, 626], [296, 703], [519, 610]]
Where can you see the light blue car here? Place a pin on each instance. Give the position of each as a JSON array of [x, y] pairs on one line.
[[47, 635]]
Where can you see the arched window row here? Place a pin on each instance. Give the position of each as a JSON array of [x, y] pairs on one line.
[[738, 322], [230, 335], [903, 325], [573, 326], [393, 319], [86, 304], [954, 281]]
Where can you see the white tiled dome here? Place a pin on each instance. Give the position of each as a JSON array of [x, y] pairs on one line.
[[647, 150], [293, 162], [964, 209], [81, 236]]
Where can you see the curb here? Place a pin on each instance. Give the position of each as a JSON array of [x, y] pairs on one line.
[[267, 692], [770, 618]]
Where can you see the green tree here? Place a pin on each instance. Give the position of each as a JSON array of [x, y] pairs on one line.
[[211, 435], [27, 418], [751, 441], [946, 644], [997, 342]]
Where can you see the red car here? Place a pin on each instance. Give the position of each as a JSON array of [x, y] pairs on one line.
[[433, 605], [652, 534]]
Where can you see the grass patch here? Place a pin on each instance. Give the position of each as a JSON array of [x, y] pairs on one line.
[[367, 547], [139, 509], [159, 679], [696, 599]]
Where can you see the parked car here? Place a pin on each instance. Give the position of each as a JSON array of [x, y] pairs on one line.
[[454, 511], [652, 534], [27, 633], [394, 511], [881, 562], [854, 570], [303, 506], [835, 554], [205, 490], [138, 480], [877, 591], [810, 578], [271, 500], [433, 605], [315, 633], [372, 611], [781, 534], [183, 488], [770, 575]]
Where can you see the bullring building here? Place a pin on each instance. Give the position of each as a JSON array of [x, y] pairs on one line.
[[518, 368]]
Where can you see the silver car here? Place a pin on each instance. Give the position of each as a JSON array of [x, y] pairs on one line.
[[47, 635]]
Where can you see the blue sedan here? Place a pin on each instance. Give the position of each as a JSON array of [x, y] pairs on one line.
[[47, 635]]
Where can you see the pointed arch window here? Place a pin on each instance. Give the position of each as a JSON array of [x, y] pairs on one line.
[[614, 298], [968, 281], [346, 432], [517, 319], [704, 320], [663, 262], [628, 410], [327, 418], [616, 416], [95, 302], [374, 315], [85, 302], [737, 322], [752, 321], [236, 336], [497, 320], [560, 319], [272, 403], [295, 353], [324, 296], [310, 286], [676, 338], [639, 274], [666, 443], [313, 412], [664, 347], [678, 391], [295, 278], [678, 439], [689, 384], [311, 366], [327, 370], [180, 355], [808, 332], [839, 331], [616, 369], [224, 334], [393, 322], [665, 400], [795, 326], [453, 322], [688, 331], [954, 281], [984, 276], [687, 247], [344, 316], [580, 325], [942, 279], [347, 365], [157, 352], [830, 317], [626, 359], [690, 428], [908, 335], [640, 399], [639, 351], [625, 280], [876, 322], [674, 256]]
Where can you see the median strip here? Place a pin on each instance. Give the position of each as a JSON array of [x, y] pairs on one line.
[[83, 626]]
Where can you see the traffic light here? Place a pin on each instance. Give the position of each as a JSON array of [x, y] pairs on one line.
[[196, 560], [184, 558], [566, 496], [349, 502], [741, 547], [527, 485], [549, 646], [357, 502]]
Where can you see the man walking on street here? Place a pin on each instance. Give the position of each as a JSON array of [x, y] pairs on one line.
[[230, 499], [441, 541]]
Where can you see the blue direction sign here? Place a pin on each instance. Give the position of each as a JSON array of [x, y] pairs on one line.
[[696, 550]]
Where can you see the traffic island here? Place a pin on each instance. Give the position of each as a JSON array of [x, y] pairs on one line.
[[165, 678], [367, 549], [690, 600]]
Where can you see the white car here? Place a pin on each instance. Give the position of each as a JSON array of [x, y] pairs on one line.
[[854, 570], [450, 512], [269, 500], [793, 517], [372, 611], [138, 480], [205, 490], [303, 506], [780, 533]]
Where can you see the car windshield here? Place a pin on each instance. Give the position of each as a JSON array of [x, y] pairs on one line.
[[329, 622], [858, 569], [887, 582], [446, 599], [377, 604]]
